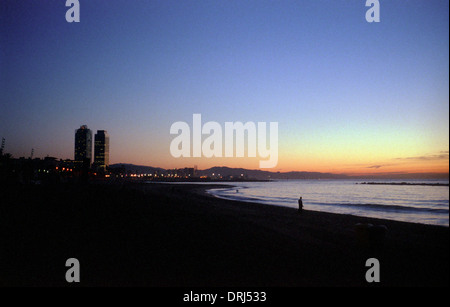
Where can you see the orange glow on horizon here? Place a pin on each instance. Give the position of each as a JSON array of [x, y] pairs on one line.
[[391, 166]]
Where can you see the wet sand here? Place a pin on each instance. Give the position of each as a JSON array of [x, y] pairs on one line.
[[164, 235]]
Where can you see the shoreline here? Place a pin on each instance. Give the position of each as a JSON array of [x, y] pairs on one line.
[[165, 235], [213, 186], [408, 183]]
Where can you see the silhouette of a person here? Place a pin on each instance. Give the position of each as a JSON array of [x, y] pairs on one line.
[[300, 205]]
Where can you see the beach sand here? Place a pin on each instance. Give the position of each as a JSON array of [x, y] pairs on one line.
[[167, 235]]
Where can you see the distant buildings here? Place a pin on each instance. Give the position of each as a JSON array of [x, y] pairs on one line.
[[185, 173], [83, 146], [101, 150], [83, 149], [36, 171], [50, 170]]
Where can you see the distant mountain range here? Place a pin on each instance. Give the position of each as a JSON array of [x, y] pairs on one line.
[[227, 172], [261, 175]]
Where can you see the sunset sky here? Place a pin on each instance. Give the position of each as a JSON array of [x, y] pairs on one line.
[[349, 96]]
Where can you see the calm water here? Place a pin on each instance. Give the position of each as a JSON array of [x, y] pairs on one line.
[[417, 204]]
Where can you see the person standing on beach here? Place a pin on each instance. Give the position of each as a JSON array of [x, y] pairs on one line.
[[300, 205]]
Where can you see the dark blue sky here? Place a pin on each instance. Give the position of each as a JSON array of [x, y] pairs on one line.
[[345, 92]]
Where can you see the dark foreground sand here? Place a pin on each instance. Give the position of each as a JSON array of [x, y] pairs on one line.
[[177, 236]]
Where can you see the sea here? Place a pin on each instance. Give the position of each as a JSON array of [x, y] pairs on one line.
[[424, 204]]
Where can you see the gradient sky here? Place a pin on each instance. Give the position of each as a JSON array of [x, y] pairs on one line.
[[349, 96]]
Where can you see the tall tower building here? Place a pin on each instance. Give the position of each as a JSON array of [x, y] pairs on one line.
[[101, 149], [83, 146]]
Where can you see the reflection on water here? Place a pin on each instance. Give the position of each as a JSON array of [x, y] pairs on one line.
[[410, 203]]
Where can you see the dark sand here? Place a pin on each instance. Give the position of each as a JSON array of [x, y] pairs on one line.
[[177, 236]]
